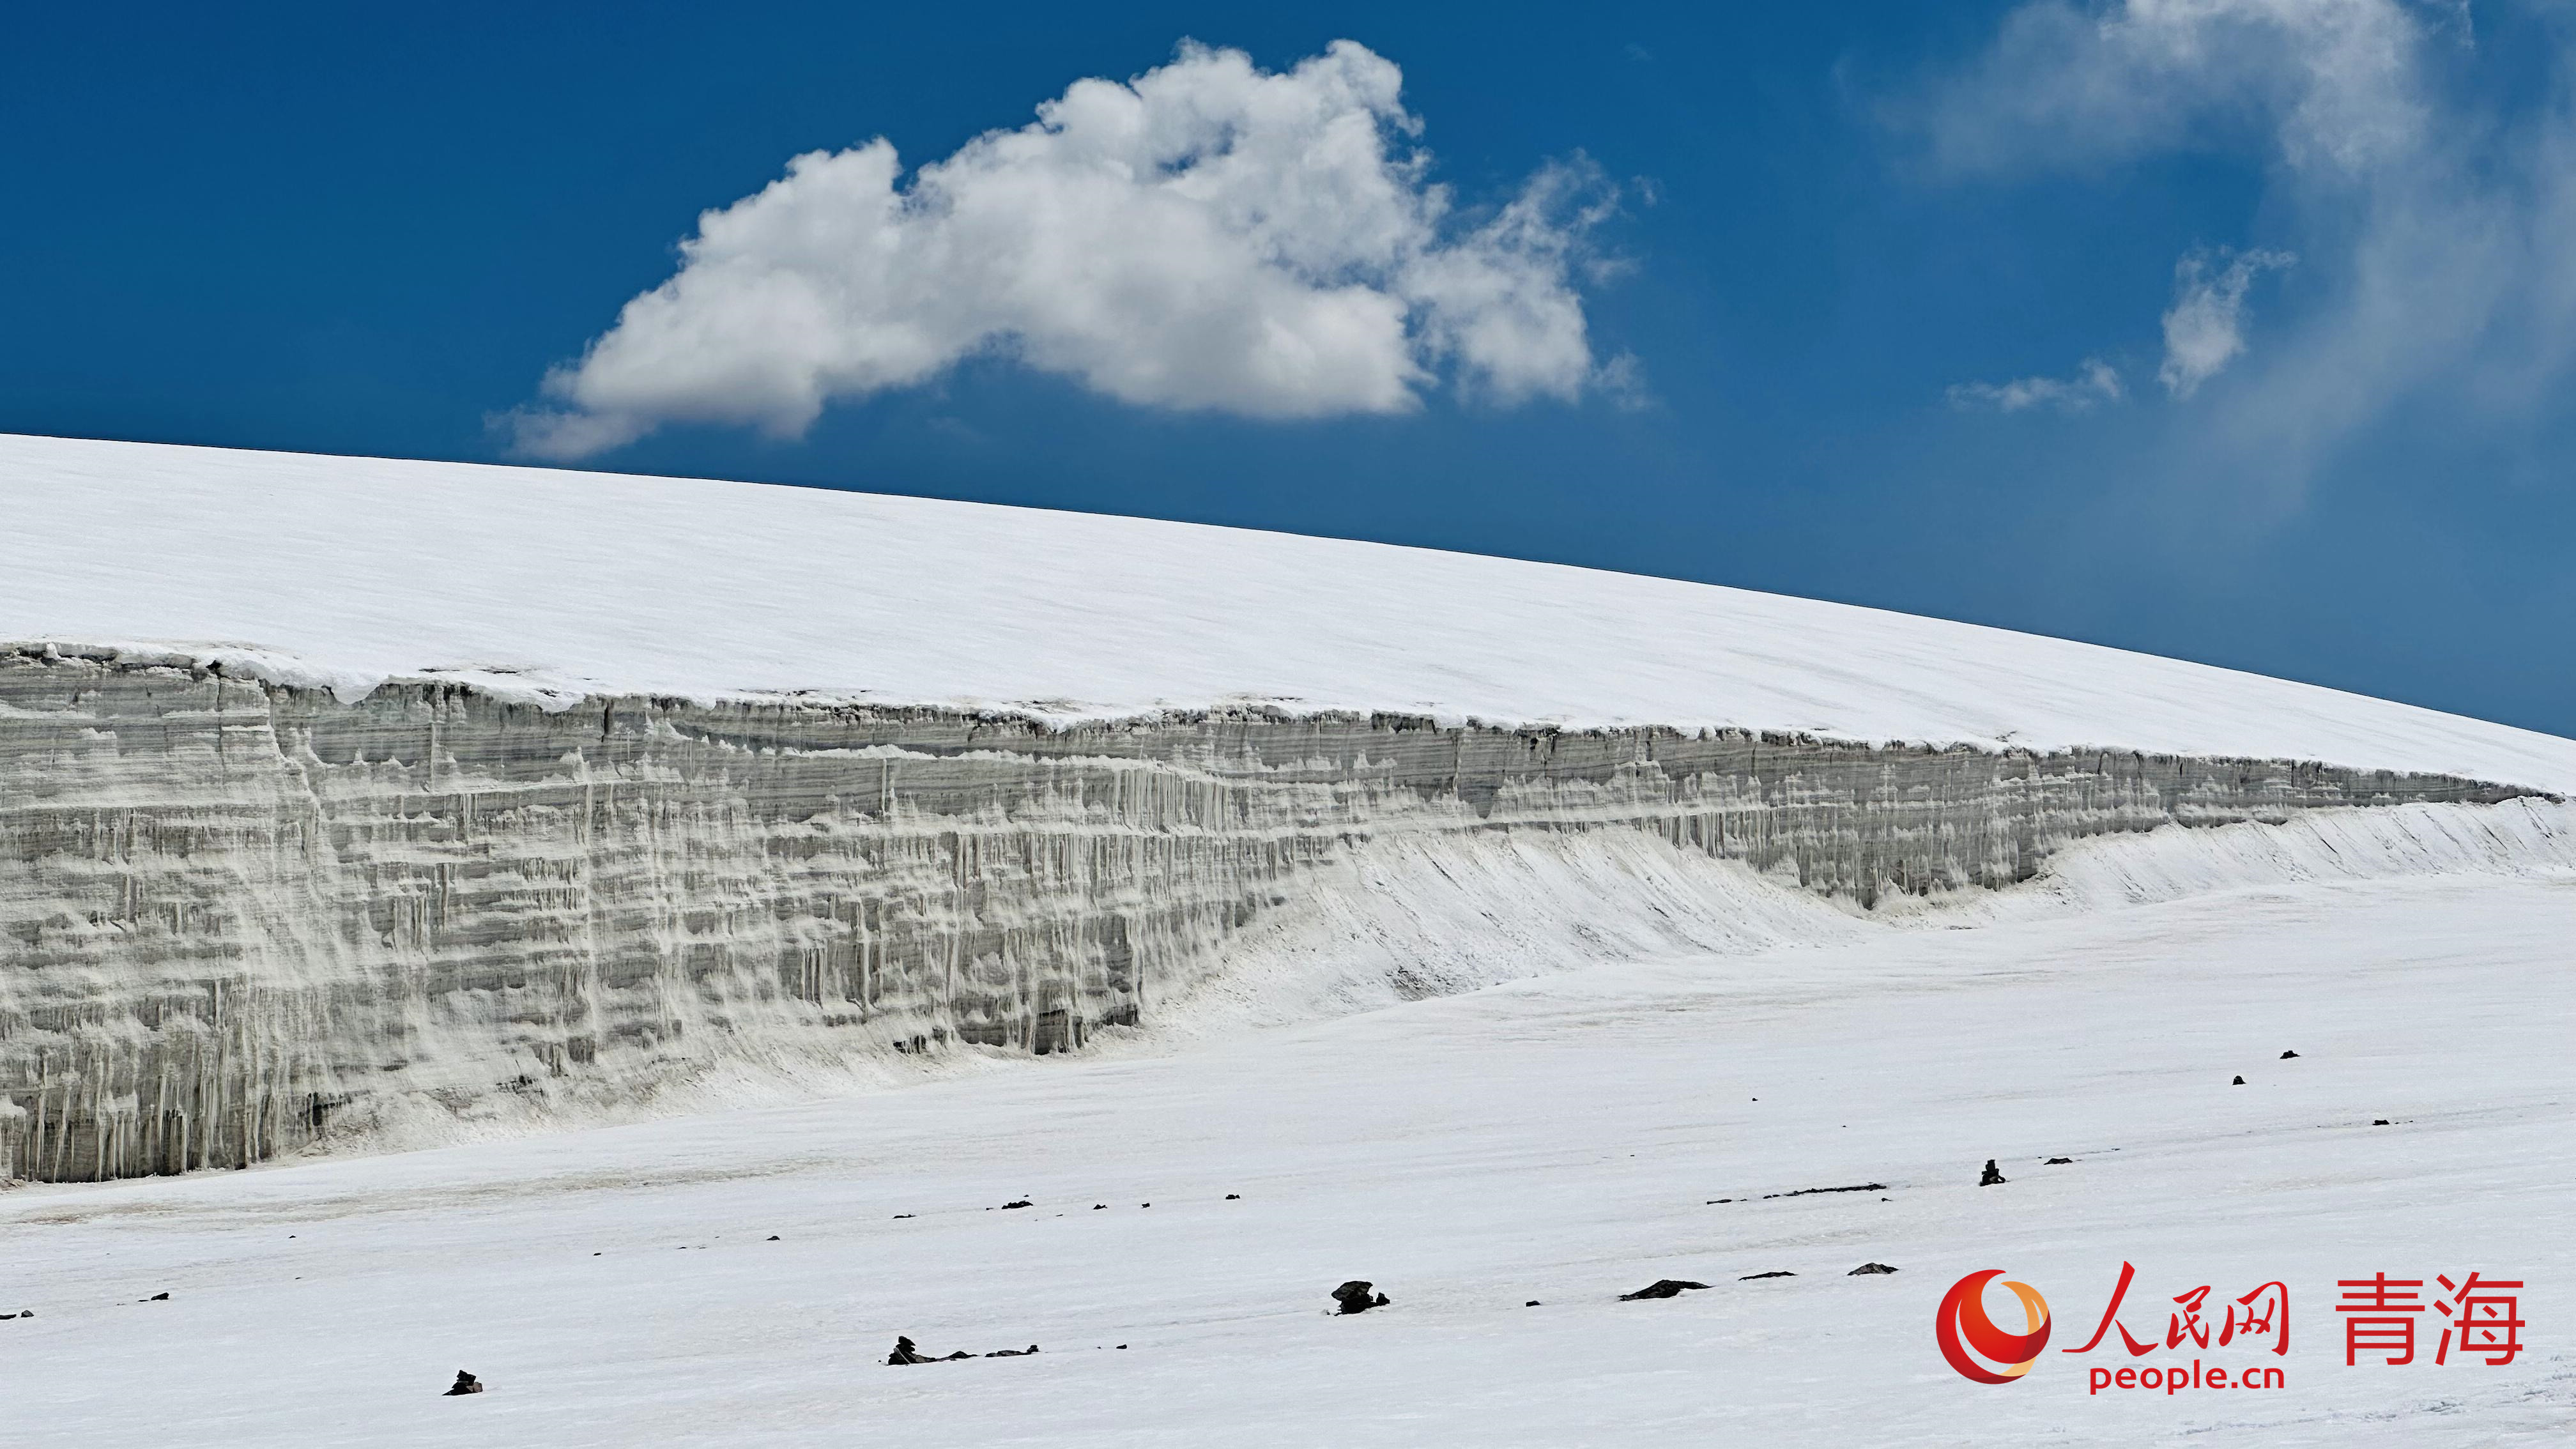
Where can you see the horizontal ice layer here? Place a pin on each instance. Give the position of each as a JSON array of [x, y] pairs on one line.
[[554, 585]]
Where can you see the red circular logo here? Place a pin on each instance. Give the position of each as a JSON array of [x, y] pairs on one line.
[[1970, 1340]]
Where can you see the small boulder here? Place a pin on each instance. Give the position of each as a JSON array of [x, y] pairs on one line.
[[1013, 1352], [2286, 1056], [1774, 1273], [2059, 1162], [465, 1384], [773, 1237], [1356, 1296], [158, 1298], [1234, 1197], [1023, 1202], [1533, 1303], [1993, 1176], [1661, 1288], [1866, 1269], [2378, 1121]]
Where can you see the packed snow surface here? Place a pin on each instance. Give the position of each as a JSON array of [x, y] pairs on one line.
[[1557, 1140], [553, 585]]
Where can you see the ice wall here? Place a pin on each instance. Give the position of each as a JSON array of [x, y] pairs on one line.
[[235, 915]]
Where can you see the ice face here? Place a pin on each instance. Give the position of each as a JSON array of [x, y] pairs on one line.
[[238, 915]]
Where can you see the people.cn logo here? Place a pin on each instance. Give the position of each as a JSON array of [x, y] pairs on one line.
[[1970, 1340]]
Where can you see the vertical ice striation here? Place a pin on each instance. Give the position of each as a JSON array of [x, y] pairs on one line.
[[234, 914]]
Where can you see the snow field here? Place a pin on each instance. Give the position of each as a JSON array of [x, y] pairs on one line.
[[1555, 1139]]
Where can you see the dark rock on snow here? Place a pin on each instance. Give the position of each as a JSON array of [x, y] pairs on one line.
[[1355, 1296], [2240, 1081], [2285, 1056], [465, 1384], [2059, 1162], [905, 1351], [1661, 1288], [1868, 1268], [1812, 1191], [1774, 1273], [1993, 1177]]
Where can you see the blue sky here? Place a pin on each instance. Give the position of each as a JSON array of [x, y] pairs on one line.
[[2238, 330]]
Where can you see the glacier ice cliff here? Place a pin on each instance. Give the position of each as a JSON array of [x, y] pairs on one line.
[[237, 916]]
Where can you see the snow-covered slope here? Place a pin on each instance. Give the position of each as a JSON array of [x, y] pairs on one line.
[[348, 571]]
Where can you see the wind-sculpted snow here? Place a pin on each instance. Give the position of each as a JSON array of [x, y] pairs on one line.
[[238, 915]]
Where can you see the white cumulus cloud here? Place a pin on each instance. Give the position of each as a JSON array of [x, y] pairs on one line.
[[1208, 236], [2205, 328], [2095, 381]]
